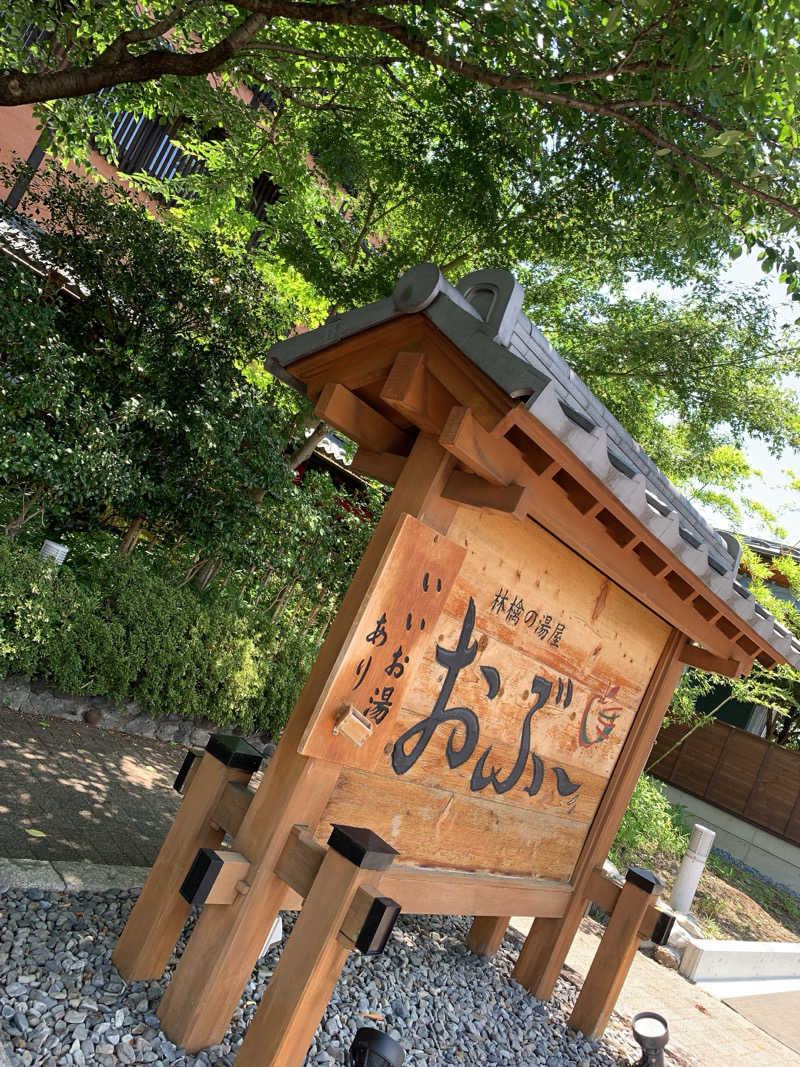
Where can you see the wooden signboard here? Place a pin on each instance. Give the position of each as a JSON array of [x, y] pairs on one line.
[[496, 675], [473, 725]]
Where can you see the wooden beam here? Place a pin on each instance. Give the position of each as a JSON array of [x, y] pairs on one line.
[[420, 890], [416, 394], [474, 492], [232, 806], [613, 957], [605, 892], [384, 467], [363, 424], [216, 965], [693, 656], [301, 859]]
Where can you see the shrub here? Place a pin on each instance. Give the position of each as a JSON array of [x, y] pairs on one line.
[[117, 629], [651, 827]]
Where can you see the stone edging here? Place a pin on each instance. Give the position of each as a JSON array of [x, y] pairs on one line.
[[56, 876], [33, 697]]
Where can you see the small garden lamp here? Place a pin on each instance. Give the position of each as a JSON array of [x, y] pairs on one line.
[[652, 1033], [373, 1048]]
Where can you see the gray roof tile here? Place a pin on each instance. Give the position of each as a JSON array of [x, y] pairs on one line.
[[483, 317]]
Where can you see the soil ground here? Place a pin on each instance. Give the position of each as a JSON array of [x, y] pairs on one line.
[[732, 904]]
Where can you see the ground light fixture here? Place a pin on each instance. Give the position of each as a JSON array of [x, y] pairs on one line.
[[373, 1048], [652, 1033]]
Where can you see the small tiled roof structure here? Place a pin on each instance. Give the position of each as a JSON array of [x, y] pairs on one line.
[[482, 318]]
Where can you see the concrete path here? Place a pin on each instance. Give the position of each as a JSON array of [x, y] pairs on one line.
[[103, 799], [703, 1027], [91, 794]]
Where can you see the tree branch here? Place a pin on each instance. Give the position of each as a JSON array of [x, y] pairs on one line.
[[18, 87]]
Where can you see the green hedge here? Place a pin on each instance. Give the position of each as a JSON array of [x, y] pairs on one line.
[[118, 630]]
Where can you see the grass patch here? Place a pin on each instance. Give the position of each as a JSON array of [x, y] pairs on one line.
[[730, 904]]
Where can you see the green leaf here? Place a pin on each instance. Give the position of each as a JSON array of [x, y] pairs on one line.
[[34, 833], [613, 18]]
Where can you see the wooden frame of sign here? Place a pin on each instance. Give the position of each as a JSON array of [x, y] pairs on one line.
[[484, 702]]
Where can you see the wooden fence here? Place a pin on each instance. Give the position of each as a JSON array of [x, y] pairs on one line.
[[736, 771]]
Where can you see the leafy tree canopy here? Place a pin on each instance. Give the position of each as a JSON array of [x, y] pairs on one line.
[[691, 377], [650, 135]]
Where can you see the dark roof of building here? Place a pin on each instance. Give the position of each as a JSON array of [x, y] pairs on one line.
[[482, 315]]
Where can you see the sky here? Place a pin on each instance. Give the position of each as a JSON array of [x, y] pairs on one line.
[[745, 271], [770, 488]]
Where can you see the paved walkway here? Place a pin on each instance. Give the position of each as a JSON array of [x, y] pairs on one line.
[[107, 798], [700, 1025], [93, 794]]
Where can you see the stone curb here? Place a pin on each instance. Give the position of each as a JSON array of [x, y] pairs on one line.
[[34, 698], [56, 876]]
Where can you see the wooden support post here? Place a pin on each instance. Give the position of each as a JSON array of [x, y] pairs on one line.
[[156, 921], [222, 951], [615, 954], [313, 957], [542, 956], [486, 934]]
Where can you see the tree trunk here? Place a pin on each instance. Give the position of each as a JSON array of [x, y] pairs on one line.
[[207, 572], [26, 514], [131, 536], [308, 446]]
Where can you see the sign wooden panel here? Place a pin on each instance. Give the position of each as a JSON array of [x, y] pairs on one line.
[[490, 749]]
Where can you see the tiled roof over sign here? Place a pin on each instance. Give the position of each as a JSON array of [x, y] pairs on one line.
[[482, 316]]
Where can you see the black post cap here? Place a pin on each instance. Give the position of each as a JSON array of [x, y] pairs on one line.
[[186, 766], [201, 876], [644, 879], [362, 847], [234, 752], [663, 928], [378, 926]]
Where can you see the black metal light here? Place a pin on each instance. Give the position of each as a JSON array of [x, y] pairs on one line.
[[373, 1048], [651, 1031]]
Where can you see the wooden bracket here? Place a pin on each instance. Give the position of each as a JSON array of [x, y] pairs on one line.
[[384, 467], [362, 423], [694, 656], [474, 492], [214, 877], [414, 392], [494, 459]]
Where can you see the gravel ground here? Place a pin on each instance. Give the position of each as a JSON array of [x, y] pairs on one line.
[[63, 1002]]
